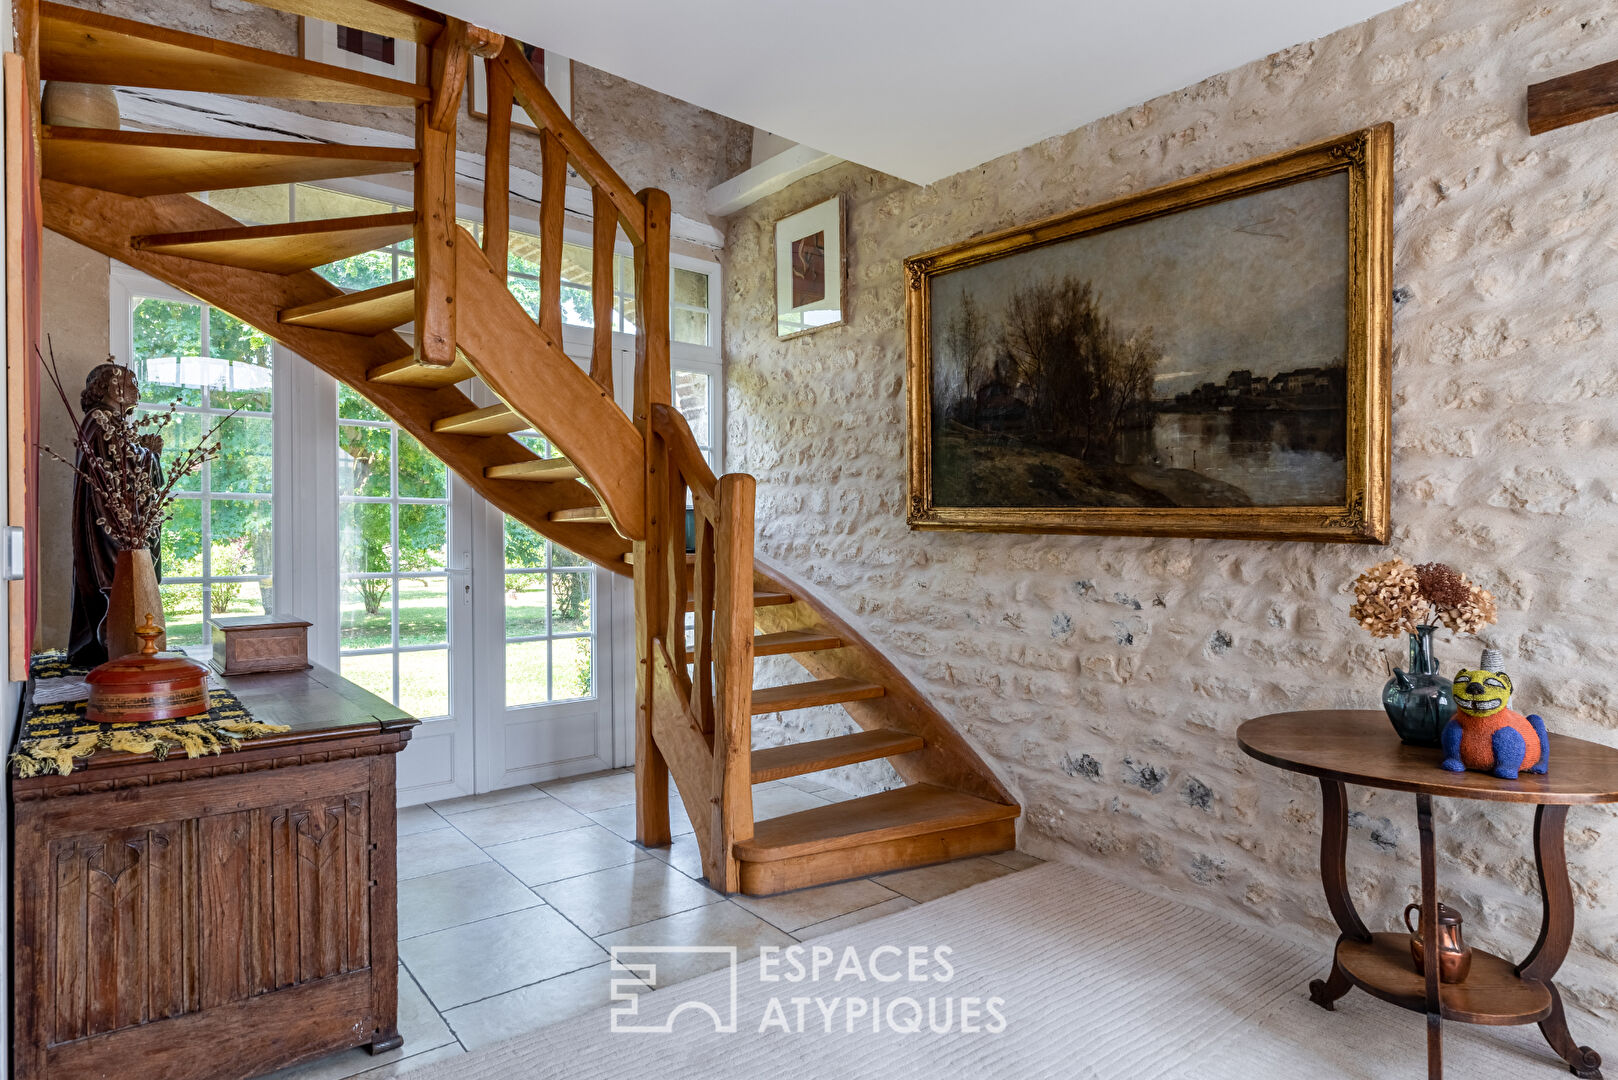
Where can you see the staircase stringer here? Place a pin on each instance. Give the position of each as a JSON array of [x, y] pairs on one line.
[[541, 383], [108, 223], [947, 759]]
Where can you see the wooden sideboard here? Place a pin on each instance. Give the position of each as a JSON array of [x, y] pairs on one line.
[[213, 918]]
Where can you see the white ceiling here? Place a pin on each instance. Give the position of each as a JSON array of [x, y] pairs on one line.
[[916, 88]]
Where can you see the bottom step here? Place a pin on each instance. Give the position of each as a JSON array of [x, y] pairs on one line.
[[891, 830]]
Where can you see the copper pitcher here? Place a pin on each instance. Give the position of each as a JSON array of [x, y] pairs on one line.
[[1454, 955]]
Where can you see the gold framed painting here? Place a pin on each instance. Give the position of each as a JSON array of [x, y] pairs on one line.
[[1206, 359]]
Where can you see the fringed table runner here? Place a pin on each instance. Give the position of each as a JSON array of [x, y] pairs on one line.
[[56, 734]]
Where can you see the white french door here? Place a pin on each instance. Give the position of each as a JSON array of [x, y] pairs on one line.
[[552, 698]]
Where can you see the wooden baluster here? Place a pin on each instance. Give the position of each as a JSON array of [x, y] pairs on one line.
[[733, 678], [552, 208], [658, 587], [497, 168], [605, 237], [702, 659], [435, 198]]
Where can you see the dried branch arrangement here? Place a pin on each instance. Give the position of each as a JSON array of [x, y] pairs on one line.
[[1393, 598], [114, 451]]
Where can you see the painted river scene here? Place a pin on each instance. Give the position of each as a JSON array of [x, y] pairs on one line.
[[1190, 360]]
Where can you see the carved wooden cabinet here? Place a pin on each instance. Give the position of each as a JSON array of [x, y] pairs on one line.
[[213, 918]]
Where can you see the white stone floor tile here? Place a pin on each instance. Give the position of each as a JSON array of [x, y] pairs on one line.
[[497, 1018], [456, 897], [721, 924], [504, 797], [854, 918], [436, 851], [518, 821], [554, 856], [418, 819], [596, 792], [466, 963], [794, 910], [639, 892]]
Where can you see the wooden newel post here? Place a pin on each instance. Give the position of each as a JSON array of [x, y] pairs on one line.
[[733, 678], [447, 57]]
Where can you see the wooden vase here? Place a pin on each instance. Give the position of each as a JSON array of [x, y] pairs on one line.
[[70, 104], [131, 599]]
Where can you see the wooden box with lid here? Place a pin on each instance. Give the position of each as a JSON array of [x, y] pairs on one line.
[[213, 918], [247, 643]]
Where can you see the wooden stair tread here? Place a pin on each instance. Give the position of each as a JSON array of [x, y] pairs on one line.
[[286, 248], [539, 469], [583, 515], [795, 759], [408, 371], [887, 815], [141, 163], [86, 46], [368, 312], [761, 598], [390, 18], [794, 641], [493, 420], [806, 695]]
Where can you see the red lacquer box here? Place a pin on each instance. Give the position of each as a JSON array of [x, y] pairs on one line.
[[147, 685]]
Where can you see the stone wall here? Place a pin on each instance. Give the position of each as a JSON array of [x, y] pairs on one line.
[[1106, 677]]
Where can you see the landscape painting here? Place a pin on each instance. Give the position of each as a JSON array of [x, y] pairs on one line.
[[1216, 367]]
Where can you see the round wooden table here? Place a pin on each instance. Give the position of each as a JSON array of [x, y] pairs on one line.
[[1360, 748]]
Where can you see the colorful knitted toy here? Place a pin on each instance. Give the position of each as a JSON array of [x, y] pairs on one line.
[[1488, 736]]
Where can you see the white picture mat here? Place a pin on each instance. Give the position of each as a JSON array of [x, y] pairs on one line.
[[317, 41], [826, 217], [558, 80]]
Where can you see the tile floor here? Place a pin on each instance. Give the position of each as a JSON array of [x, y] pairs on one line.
[[508, 903]]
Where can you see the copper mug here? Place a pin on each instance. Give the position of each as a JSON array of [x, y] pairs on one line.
[[1454, 955]]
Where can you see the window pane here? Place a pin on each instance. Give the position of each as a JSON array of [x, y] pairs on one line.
[[561, 556], [365, 271], [526, 668], [525, 605], [523, 254], [367, 614], [578, 265], [244, 462], [241, 530], [524, 546], [182, 540], [540, 446], [691, 398], [237, 598], [375, 673], [180, 433], [526, 291], [424, 683], [570, 601], [690, 327], [164, 332], [242, 379], [366, 534], [255, 206], [362, 461], [424, 611], [351, 406], [576, 307], [572, 671], [421, 476], [690, 287], [423, 537], [182, 615]]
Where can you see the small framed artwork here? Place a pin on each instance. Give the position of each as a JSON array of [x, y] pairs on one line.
[[553, 69], [357, 50], [1205, 359], [809, 266]]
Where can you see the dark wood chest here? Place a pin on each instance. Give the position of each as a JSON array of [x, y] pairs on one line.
[[213, 918]]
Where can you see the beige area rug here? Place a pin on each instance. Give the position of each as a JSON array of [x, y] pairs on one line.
[[1093, 979]]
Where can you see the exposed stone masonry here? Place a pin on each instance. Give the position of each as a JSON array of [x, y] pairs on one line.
[[1106, 676]]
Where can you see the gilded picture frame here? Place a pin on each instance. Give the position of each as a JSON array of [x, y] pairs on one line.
[[977, 417]]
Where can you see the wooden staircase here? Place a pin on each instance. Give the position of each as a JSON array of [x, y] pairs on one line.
[[616, 488]]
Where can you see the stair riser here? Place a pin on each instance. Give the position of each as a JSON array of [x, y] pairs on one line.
[[802, 871]]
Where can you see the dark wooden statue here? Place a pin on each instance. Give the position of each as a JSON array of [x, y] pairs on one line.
[[110, 388]]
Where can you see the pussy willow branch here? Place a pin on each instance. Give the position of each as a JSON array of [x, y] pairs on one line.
[[119, 472]]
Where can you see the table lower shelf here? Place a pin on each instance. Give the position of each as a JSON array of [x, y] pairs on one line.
[[1493, 993]]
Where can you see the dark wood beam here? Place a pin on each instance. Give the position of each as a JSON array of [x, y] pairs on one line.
[[1572, 99]]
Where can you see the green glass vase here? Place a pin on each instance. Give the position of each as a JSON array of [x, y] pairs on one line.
[[1419, 701]]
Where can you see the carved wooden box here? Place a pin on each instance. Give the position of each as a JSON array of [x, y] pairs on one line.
[[213, 918], [248, 643]]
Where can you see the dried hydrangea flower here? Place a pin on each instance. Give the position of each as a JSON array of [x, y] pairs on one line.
[[1471, 615], [1441, 584], [1388, 600]]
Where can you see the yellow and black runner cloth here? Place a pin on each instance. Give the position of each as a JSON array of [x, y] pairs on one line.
[[54, 736]]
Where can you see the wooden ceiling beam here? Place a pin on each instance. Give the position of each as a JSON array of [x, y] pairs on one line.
[[1573, 99]]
